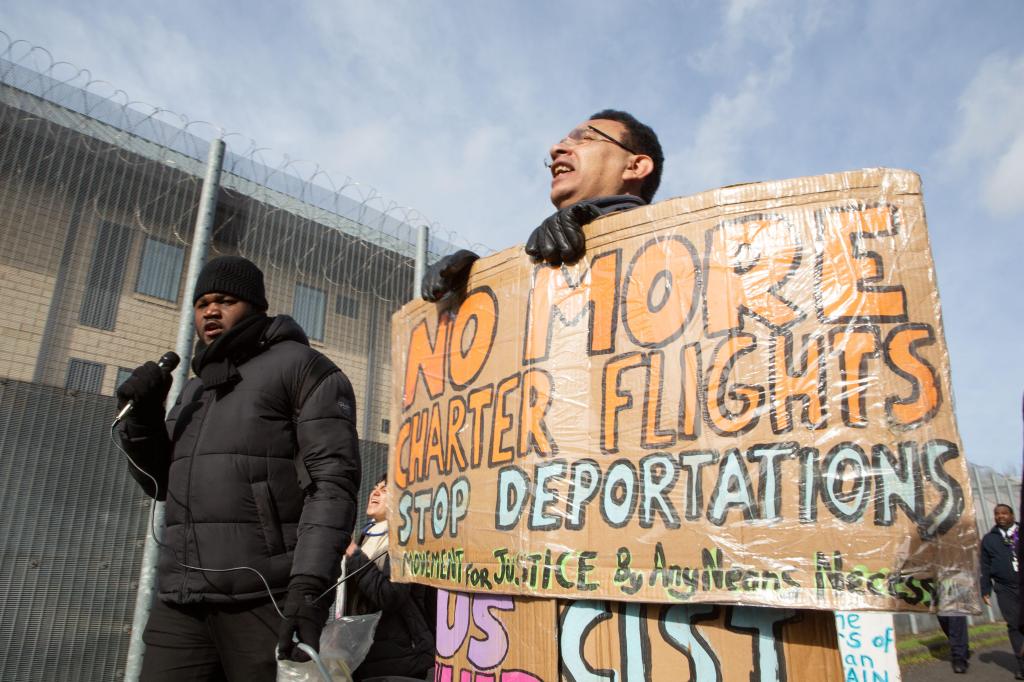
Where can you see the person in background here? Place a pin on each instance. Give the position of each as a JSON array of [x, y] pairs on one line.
[[999, 569], [403, 645], [258, 462], [611, 162], [955, 629]]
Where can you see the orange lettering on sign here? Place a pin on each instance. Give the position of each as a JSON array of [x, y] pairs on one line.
[[502, 422], [803, 381], [455, 453], [653, 436], [425, 358], [554, 296], [614, 400], [479, 315], [855, 345], [901, 353], [418, 446], [719, 389], [404, 475], [435, 443], [536, 399], [479, 400], [689, 404], [851, 279], [660, 291], [748, 262]]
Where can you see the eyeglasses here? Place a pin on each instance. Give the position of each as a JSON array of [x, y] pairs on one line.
[[581, 135]]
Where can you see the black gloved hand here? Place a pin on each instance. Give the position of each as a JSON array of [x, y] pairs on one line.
[[559, 239], [302, 616], [447, 274], [147, 387]]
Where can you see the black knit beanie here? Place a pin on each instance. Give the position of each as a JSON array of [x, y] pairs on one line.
[[232, 275]]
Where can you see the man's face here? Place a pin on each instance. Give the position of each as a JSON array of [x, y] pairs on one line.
[[216, 313], [377, 506], [584, 165], [1003, 516]]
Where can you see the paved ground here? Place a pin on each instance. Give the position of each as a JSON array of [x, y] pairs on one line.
[[989, 665]]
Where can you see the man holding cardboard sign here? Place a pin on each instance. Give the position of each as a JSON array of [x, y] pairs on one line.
[[609, 163]]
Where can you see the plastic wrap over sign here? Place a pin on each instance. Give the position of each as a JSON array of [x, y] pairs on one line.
[[740, 397]]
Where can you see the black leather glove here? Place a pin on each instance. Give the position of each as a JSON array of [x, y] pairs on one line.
[[302, 616], [147, 387], [559, 239], [447, 274]]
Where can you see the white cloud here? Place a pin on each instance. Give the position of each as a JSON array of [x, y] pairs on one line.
[[757, 40], [989, 140]]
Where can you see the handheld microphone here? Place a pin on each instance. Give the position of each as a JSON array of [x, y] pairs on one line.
[[167, 362]]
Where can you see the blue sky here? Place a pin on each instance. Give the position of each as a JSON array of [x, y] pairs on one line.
[[449, 107]]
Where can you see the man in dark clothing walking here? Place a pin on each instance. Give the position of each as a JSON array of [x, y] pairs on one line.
[[999, 569], [611, 162], [258, 462]]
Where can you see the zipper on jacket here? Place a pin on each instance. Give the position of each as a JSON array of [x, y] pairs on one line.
[[188, 494]]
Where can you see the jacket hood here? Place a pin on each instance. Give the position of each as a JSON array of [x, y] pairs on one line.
[[283, 328]]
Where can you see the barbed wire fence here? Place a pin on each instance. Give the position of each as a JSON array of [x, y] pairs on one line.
[[98, 201]]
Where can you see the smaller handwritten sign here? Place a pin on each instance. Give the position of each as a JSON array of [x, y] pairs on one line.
[[867, 644]]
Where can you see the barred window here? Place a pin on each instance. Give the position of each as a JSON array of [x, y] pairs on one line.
[[106, 276], [84, 375], [160, 271], [308, 310], [122, 375], [347, 306]]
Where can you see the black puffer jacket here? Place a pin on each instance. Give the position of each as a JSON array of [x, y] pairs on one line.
[[997, 563], [263, 473], [403, 643]]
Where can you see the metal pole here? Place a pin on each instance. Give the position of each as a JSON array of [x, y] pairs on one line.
[[982, 529], [422, 237], [1014, 500], [186, 326], [994, 482]]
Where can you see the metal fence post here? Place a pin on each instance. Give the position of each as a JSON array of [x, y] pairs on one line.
[[982, 529], [422, 237], [200, 244]]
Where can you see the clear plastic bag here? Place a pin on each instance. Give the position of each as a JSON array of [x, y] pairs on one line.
[[344, 644]]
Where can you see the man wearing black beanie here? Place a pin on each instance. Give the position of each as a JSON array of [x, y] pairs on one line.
[[258, 462]]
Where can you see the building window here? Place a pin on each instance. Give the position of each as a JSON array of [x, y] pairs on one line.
[[385, 426], [122, 375], [84, 376], [347, 306], [308, 310], [160, 272], [106, 276]]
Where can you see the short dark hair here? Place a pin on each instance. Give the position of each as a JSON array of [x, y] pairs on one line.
[[1004, 506], [642, 139]]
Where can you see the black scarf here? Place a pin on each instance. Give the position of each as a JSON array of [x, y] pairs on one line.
[[616, 202], [217, 364]]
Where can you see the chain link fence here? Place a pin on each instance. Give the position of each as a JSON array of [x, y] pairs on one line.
[[98, 202]]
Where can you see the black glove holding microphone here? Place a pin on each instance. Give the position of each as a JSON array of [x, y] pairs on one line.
[[146, 389], [303, 616]]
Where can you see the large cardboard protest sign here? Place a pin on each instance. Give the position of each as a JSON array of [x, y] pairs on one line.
[[741, 397], [499, 638]]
